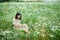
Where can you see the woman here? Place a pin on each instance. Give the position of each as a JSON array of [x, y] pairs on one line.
[[17, 24]]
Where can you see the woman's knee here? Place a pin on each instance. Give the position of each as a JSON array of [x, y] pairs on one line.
[[25, 25]]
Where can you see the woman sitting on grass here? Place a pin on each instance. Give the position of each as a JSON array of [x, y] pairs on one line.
[[17, 24]]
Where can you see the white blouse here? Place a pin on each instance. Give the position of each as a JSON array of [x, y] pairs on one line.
[[16, 22]]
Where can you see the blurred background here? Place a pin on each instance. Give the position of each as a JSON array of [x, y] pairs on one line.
[[41, 16], [26, 0]]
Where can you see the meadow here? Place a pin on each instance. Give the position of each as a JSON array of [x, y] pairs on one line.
[[42, 18]]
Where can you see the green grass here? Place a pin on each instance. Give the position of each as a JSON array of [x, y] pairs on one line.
[[42, 18]]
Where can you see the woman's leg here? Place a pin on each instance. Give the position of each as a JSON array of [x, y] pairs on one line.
[[25, 28]]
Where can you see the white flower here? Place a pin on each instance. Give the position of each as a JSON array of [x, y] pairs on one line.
[[43, 35], [36, 23], [34, 34], [6, 32], [37, 32], [51, 35]]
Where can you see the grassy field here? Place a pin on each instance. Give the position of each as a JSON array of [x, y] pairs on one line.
[[42, 18]]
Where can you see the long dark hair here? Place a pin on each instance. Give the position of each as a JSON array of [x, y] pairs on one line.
[[18, 15]]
